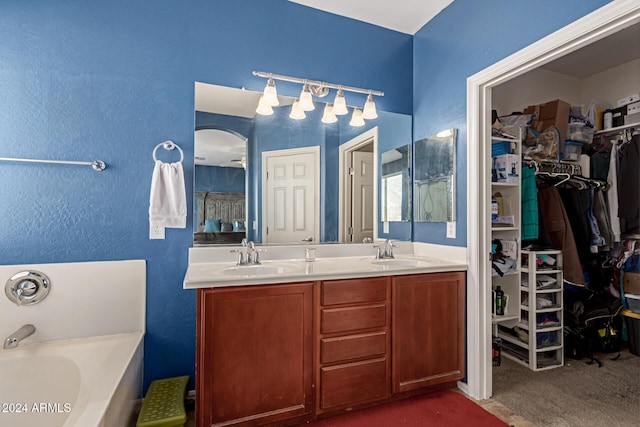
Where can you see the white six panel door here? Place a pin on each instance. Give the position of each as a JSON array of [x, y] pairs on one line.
[[362, 196], [291, 200]]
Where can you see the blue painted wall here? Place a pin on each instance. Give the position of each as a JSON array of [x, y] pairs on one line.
[[465, 38], [86, 80], [216, 178]]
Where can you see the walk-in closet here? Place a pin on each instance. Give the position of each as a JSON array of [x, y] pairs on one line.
[[565, 226]]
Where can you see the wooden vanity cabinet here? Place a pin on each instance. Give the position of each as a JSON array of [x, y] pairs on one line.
[[254, 355], [287, 354], [428, 330], [353, 334]]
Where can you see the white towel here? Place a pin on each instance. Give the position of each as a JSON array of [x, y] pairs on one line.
[[168, 199]]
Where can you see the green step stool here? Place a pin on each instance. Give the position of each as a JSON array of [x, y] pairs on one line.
[[163, 406]]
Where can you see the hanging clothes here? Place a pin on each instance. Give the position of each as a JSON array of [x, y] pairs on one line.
[[629, 185], [599, 160], [612, 193], [576, 205], [558, 227], [529, 205], [601, 213]]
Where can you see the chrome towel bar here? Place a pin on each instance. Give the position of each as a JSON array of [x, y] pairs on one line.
[[97, 165]]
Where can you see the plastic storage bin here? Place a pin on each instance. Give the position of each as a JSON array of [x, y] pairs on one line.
[[572, 150], [580, 132], [633, 301]]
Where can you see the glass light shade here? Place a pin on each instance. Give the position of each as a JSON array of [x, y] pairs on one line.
[[306, 101], [356, 119], [340, 104], [369, 111], [264, 108], [270, 93], [296, 111], [328, 116]]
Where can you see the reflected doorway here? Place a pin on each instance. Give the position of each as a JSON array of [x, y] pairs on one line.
[[358, 189]]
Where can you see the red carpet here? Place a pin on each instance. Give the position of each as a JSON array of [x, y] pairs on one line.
[[445, 408]]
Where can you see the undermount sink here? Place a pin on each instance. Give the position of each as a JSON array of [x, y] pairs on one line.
[[395, 262], [259, 270]]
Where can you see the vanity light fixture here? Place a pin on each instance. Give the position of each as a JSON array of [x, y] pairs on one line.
[[356, 119], [264, 108], [340, 104], [444, 134], [270, 93], [306, 101], [329, 116], [297, 112], [369, 111], [311, 88]]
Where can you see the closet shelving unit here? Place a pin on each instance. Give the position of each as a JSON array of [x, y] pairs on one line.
[[510, 192], [544, 348], [617, 129]]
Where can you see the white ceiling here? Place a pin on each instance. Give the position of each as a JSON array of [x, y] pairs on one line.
[[408, 16], [213, 147], [405, 16], [614, 50]]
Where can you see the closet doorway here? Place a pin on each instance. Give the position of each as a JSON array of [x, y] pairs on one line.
[[606, 21]]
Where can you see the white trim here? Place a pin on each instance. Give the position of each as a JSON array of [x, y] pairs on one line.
[[315, 150], [605, 21], [344, 151]]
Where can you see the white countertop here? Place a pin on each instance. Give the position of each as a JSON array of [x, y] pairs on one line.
[[355, 261]]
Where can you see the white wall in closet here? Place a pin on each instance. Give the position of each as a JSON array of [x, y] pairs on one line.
[[612, 84], [533, 88]]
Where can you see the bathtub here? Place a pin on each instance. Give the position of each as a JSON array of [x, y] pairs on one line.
[[86, 382]]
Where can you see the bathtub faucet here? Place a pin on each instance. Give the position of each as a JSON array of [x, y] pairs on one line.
[[14, 339]]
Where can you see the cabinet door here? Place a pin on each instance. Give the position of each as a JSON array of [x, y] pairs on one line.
[[254, 354], [427, 330]]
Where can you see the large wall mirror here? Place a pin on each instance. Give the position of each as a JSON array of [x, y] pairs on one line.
[[275, 180], [435, 177]]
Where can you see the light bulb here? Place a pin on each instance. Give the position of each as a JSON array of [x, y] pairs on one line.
[[369, 110], [328, 116], [264, 108], [356, 119], [296, 111], [340, 104], [270, 93], [306, 102]]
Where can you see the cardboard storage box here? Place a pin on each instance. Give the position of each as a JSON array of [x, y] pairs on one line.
[[631, 283], [553, 113], [632, 119]]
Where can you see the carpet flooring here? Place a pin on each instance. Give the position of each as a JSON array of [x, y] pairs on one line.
[[574, 395], [440, 409]]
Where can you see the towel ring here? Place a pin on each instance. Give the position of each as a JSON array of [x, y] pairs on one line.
[[169, 146]]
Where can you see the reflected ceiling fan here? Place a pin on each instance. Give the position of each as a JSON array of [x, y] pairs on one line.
[[241, 162]]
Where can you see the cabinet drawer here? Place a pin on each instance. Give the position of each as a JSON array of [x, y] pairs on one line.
[[354, 291], [354, 383], [352, 347], [353, 318]]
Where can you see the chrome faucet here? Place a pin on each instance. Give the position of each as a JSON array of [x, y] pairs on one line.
[[248, 254], [385, 252], [14, 339]]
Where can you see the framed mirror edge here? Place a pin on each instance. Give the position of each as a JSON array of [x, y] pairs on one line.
[[251, 218]]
